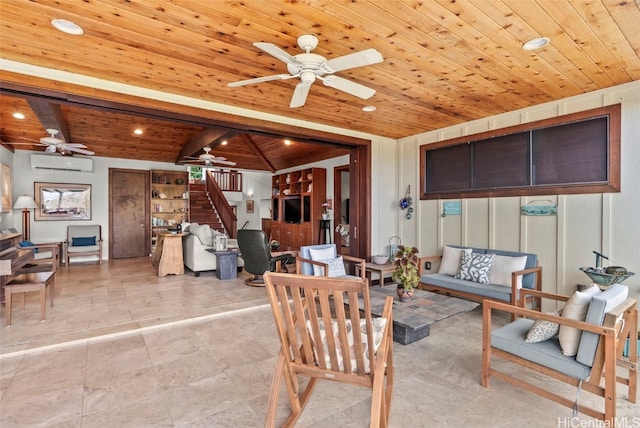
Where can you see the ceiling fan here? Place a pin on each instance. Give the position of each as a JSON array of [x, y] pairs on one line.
[[54, 144], [309, 66], [207, 158]]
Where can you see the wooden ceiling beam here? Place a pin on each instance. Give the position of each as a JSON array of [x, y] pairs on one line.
[[246, 139], [50, 116], [211, 137]]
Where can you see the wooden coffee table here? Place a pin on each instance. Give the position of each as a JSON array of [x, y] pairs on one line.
[[412, 320]]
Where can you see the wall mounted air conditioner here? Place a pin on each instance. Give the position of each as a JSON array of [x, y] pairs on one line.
[[61, 163]]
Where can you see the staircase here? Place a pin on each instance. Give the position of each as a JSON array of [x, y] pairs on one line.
[[201, 210]]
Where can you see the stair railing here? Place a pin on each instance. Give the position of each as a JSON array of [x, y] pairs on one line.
[[220, 203]]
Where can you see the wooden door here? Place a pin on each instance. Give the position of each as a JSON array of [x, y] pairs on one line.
[[129, 227]]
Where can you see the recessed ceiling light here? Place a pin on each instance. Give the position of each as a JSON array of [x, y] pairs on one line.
[[287, 142], [224, 143], [67, 27], [138, 131], [18, 115], [536, 43], [369, 108]]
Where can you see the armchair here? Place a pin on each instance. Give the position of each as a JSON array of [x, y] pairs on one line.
[[256, 252], [316, 260], [83, 240], [611, 317], [321, 339]]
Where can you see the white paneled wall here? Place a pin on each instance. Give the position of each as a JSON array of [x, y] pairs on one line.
[[608, 223]]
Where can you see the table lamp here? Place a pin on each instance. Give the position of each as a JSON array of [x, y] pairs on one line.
[[25, 203]]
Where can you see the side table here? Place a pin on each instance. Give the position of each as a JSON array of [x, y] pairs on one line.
[[226, 264], [167, 257], [381, 270]]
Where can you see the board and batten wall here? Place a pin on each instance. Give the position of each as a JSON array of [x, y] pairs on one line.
[[608, 223]]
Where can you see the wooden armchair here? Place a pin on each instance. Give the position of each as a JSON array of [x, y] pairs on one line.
[[46, 258], [304, 309], [83, 240], [612, 317], [316, 258]]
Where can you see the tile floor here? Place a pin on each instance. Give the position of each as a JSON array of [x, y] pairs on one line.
[[123, 348]]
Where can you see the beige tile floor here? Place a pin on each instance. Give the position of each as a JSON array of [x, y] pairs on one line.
[[123, 348]]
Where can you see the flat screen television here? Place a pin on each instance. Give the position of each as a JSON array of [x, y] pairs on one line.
[[292, 210]]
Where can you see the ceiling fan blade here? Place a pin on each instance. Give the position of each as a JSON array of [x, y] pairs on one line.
[[260, 80], [77, 150], [224, 162], [357, 59], [71, 145], [277, 52], [299, 95], [21, 144], [348, 86]]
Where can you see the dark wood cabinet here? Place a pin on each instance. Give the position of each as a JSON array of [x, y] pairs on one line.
[[297, 198]]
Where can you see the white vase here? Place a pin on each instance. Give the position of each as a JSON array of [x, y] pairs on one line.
[[325, 216]]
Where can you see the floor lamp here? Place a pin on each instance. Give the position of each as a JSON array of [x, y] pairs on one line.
[[25, 203]]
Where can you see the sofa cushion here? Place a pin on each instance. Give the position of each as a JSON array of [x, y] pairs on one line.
[[600, 304], [575, 309], [475, 267], [511, 339], [528, 280], [451, 259], [203, 232], [503, 266], [491, 291]]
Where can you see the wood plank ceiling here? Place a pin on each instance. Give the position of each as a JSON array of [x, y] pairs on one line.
[[445, 62]]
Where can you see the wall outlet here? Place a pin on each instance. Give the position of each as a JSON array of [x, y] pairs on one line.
[[428, 265]]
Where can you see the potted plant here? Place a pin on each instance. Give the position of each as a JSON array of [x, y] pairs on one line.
[[406, 271]]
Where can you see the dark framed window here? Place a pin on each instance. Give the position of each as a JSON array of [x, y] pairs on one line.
[[577, 153]]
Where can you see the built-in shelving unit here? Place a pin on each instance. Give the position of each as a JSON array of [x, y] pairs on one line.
[[296, 207], [169, 201]]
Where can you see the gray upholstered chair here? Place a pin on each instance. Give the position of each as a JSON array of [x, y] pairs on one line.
[[256, 253], [316, 260], [83, 240], [611, 318]]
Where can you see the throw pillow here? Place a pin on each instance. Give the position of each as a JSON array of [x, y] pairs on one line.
[[378, 325], [335, 267], [575, 309], [28, 244], [503, 266], [451, 257], [203, 232], [83, 241], [320, 255], [475, 267], [542, 330]]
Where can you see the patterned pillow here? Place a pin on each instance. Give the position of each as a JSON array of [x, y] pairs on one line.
[[321, 255], [335, 266], [542, 330], [475, 267], [378, 325]]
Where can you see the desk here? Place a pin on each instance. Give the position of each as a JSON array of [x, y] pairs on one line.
[[167, 257], [381, 270]]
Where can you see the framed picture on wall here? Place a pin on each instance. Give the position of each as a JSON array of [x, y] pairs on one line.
[[5, 187], [62, 201], [250, 206]]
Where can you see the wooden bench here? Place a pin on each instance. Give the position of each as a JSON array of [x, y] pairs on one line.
[[25, 283]]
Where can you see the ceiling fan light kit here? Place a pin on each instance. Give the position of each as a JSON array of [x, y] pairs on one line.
[[308, 67], [207, 159]]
